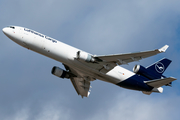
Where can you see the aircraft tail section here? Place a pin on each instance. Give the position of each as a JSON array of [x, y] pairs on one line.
[[159, 67], [153, 71]]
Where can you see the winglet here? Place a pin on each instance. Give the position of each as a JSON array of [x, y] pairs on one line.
[[164, 48]]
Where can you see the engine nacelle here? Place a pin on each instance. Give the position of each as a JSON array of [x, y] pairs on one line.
[[59, 72], [138, 69], [85, 56]]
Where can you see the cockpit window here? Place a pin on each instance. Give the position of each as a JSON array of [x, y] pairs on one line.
[[12, 27]]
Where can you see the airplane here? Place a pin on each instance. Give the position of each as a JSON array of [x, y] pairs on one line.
[[82, 67]]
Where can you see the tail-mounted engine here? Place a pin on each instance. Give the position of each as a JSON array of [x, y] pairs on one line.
[[85, 56], [138, 69], [60, 72]]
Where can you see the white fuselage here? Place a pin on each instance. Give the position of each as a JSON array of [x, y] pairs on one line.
[[63, 53]]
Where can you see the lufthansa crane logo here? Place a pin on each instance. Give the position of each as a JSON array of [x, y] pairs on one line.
[[159, 67]]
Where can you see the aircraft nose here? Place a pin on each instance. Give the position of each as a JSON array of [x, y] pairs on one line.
[[5, 31]]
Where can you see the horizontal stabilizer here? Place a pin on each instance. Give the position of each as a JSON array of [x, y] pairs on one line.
[[159, 82], [147, 92], [158, 90]]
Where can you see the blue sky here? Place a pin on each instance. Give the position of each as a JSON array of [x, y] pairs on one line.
[[28, 91]]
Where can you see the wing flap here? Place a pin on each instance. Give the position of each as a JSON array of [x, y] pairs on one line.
[[159, 82]]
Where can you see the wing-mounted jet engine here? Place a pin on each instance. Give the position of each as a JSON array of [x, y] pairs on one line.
[[60, 72], [83, 56]]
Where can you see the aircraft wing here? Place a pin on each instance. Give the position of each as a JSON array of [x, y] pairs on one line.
[[81, 86], [129, 57], [80, 82], [159, 82]]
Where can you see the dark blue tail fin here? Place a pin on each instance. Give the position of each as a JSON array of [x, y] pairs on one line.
[[159, 67]]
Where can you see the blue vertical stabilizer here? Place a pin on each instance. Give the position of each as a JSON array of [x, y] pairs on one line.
[[159, 67]]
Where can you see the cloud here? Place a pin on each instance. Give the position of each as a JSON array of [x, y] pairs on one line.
[[29, 91], [123, 106], [126, 25], [48, 111], [138, 107]]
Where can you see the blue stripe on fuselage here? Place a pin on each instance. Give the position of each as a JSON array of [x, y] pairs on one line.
[[136, 82]]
